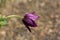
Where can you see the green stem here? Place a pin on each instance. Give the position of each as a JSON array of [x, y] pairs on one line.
[[14, 16]]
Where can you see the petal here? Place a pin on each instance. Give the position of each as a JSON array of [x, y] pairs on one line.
[[31, 16], [29, 22]]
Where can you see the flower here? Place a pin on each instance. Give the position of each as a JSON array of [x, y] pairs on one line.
[[29, 20], [31, 16]]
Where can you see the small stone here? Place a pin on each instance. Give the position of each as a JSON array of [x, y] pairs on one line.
[[3, 32], [58, 38], [42, 4]]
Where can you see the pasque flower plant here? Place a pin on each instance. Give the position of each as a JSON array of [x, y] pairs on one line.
[[28, 19]]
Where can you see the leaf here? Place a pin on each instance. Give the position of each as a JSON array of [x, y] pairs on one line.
[[3, 21]]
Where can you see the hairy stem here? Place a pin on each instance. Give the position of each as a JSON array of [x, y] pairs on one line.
[[13, 16]]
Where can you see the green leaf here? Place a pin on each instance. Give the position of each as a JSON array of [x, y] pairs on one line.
[[3, 21]]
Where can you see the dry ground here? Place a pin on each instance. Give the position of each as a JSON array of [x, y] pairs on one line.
[[48, 23]]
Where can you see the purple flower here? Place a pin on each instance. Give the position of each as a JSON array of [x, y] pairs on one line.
[[29, 20], [32, 16]]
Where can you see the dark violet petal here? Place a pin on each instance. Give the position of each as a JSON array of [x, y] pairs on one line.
[[31, 16], [29, 22]]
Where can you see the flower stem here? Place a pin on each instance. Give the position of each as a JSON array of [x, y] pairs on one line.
[[13, 16]]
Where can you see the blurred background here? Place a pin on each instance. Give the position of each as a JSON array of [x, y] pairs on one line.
[[48, 23]]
